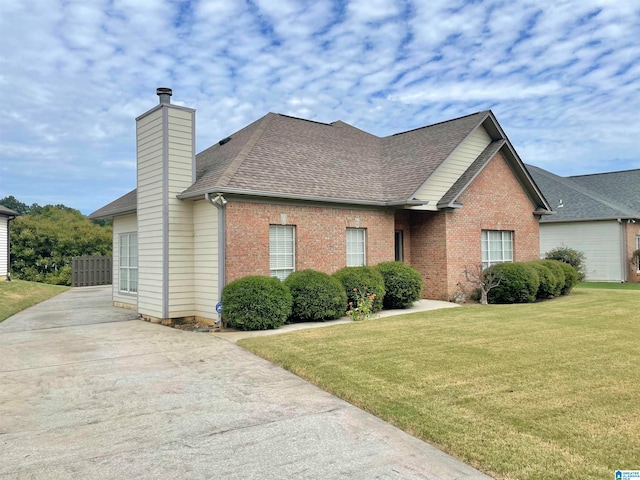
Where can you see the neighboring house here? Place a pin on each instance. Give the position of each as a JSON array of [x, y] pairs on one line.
[[286, 194], [6, 215], [597, 214]]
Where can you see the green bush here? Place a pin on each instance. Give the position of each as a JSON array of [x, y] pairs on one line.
[[548, 279], [519, 284], [558, 271], [570, 278], [402, 284], [573, 257], [316, 296], [366, 280], [256, 303]]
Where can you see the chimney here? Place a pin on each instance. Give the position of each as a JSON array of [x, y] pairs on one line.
[[165, 168], [164, 94]]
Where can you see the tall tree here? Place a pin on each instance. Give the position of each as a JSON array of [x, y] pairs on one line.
[[14, 204]]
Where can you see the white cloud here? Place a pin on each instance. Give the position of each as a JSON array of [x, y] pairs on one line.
[[563, 80]]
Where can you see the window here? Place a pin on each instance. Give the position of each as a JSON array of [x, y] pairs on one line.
[[638, 248], [356, 247], [128, 266], [281, 250], [497, 247], [399, 246]]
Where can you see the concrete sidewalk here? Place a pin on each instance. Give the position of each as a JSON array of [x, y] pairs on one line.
[[83, 397], [419, 306]]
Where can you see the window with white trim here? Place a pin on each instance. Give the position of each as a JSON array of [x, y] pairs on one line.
[[282, 252], [497, 247], [356, 247], [128, 263]]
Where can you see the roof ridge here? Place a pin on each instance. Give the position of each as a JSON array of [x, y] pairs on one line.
[[588, 192], [439, 123], [304, 119], [604, 173], [233, 167]]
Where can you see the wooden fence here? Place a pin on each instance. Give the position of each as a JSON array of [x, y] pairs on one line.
[[91, 270]]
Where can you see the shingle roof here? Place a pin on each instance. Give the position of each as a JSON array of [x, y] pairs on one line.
[[7, 211], [409, 158], [622, 187], [578, 201], [128, 203], [293, 156], [279, 155]]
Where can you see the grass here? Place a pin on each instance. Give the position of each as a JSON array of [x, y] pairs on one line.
[[610, 285], [18, 295], [546, 390]]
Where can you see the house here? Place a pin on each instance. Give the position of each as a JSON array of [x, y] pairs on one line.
[[598, 215], [6, 215], [285, 194]]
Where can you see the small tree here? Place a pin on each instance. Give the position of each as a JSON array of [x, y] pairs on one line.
[[484, 280], [635, 258], [573, 257]]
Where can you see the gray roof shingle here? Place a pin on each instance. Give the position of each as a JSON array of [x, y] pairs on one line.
[[580, 202], [7, 211], [128, 203], [623, 187]]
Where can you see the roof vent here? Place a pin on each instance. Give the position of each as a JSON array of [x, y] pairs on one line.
[[164, 94], [224, 140]]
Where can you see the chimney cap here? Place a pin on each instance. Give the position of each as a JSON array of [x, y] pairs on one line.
[[164, 94]]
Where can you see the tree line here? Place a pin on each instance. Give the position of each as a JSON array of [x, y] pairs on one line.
[[44, 240]]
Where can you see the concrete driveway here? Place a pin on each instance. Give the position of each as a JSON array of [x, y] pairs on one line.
[[89, 391]]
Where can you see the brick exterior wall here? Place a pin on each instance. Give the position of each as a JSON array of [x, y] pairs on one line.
[[437, 244], [320, 236], [442, 243], [632, 231]]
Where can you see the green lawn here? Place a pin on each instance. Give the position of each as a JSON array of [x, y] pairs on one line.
[[547, 390], [610, 285], [18, 295]]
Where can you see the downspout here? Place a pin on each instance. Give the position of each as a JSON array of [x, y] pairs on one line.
[[623, 249], [219, 202], [9, 218]]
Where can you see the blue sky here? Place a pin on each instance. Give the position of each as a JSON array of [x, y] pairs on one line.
[[562, 77]]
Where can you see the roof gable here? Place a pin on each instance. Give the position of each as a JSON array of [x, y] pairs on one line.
[[410, 158]]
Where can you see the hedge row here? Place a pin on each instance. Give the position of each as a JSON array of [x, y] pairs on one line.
[[259, 303], [531, 281]]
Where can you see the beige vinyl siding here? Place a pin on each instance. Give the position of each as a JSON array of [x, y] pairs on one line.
[[123, 224], [150, 213], [600, 242], [452, 168], [181, 233], [205, 253], [4, 247]]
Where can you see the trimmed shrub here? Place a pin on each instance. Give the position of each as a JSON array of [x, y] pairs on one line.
[[402, 284], [558, 271], [366, 280], [548, 280], [573, 257], [570, 278], [519, 284], [256, 303], [316, 296]]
